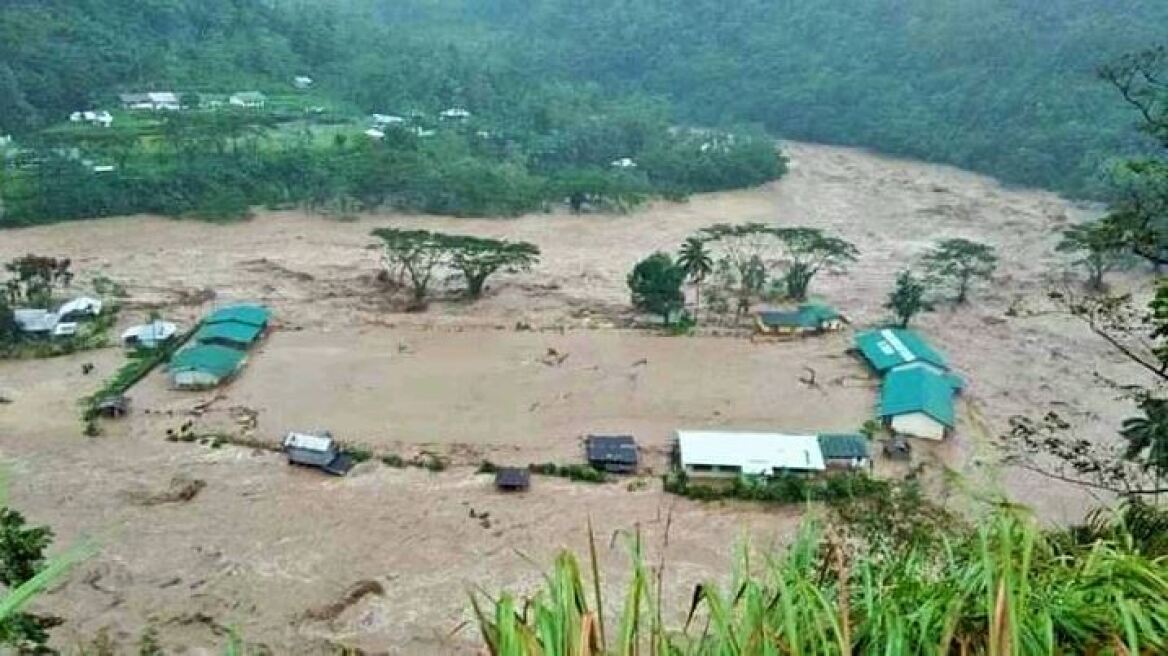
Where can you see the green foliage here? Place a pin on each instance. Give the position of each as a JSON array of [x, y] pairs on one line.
[[393, 460], [358, 453], [694, 258], [907, 299], [477, 258], [22, 557], [655, 283], [998, 587], [959, 263], [787, 488], [581, 473], [33, 278], [1100, 247], [416, 255], [809, 251]]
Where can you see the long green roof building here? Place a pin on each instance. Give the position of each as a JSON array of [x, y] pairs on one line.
[[203, 366]]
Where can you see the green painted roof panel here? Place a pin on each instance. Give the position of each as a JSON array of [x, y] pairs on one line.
[[219, 361], [233, 332], [892, 347], [918, 389], [843, 445], [256, 315]]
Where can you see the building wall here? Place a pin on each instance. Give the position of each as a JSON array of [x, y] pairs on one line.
[[195, 380], [918, 424]]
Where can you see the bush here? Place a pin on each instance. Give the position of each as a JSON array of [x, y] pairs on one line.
[[393, 460], [785, 488], [582, 473]]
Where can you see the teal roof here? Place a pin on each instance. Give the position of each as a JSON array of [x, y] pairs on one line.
[[892, 347], [819, 312], [256, 315], [809, 315], [219, 361], [843, 445], [232, 332], [918, 389]]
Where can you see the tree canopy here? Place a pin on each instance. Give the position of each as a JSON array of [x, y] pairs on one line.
[[655, 283], [959, 262]]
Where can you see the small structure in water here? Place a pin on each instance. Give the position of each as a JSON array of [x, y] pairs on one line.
[[512, 479], [317, 450]]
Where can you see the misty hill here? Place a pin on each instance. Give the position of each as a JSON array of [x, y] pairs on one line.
[[1002, 87]]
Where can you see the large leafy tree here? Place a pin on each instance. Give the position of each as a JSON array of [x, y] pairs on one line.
[[907, 298], [694, 258], [746, 249], [1099, 247], [412, 256], [809, 251], [477, 258], [655, 283], [960, 262]]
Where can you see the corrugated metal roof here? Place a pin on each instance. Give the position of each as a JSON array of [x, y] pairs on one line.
[[155, 331], [256, 315], [918, 389], [843, 445], [891, 347], [229, 331], [219, 361], [754, 453], [307, 442], [611, 448], [81, 305]]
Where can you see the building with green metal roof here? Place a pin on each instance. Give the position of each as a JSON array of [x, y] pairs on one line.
[[917, 400], [808, 318], [888, 348], [844, 450], [256, 315], [229, 333], [204, 366]]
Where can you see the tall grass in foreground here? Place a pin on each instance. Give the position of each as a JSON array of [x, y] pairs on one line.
[[1004, 588]]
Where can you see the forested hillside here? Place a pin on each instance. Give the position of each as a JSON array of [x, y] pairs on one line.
[[1003, 87]]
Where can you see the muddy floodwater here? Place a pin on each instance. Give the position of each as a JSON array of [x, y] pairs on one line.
[[518, 377]]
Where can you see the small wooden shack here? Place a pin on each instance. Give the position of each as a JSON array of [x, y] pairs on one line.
[[616, 454], [512, 479]]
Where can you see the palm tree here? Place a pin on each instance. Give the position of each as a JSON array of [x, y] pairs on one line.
[[694, 259]]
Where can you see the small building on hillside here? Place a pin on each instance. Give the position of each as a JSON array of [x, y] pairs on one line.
[[726, 454], [616, 454], [888, 348], [79, 309], [302, 82], [454, 114], [623, 163], [151, 101], [844, 450], [809, 318], [375, 134], [255, 315], [385, 120], [232, 334], [101, 119], [918, 401], [205, 366], [248, 100]]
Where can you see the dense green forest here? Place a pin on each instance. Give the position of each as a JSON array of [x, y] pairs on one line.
[[560, 90]]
